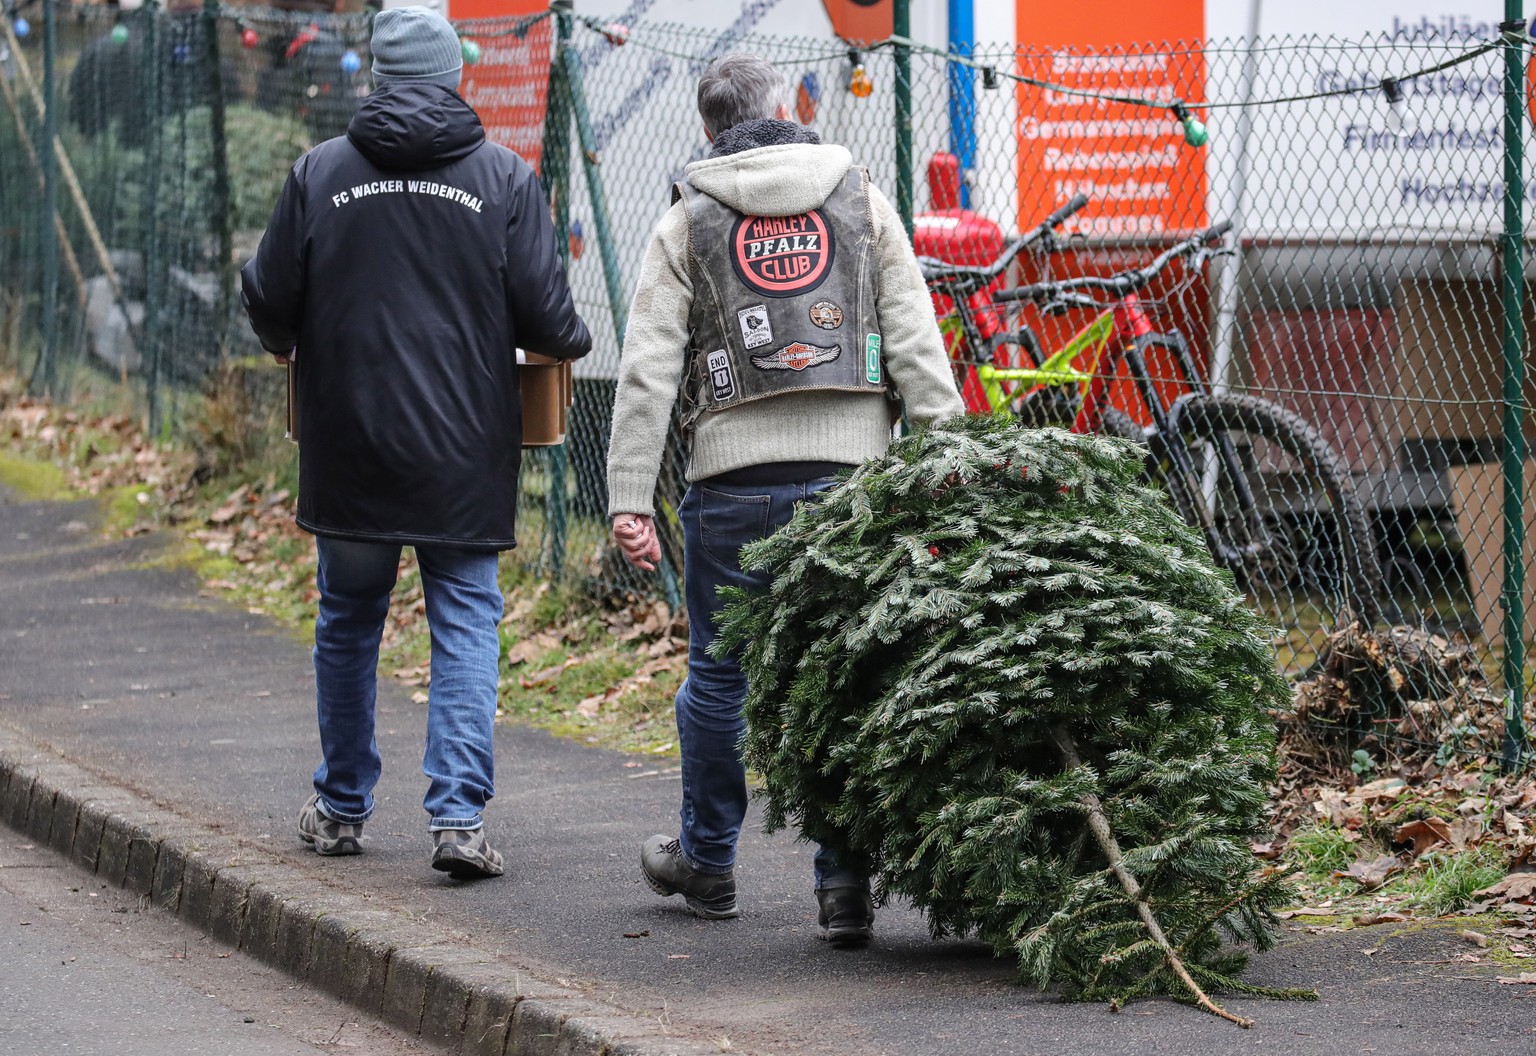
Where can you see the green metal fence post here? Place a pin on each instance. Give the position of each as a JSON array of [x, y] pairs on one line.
[[154, 267], [223, 211], [902, 29], [1514, 394], [45, 377], [555, 167], [592, 167]]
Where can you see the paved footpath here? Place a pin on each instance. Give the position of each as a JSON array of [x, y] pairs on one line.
[[165, 739]]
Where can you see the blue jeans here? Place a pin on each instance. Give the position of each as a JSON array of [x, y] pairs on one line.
[[718, 520], [464, 607]]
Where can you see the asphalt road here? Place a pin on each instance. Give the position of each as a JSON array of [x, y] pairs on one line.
[[86, 970], [208, 709]]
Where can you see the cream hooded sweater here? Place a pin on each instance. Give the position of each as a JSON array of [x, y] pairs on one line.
[[782, 180]]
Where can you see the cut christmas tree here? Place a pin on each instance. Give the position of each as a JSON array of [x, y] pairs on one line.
[[996, 671]]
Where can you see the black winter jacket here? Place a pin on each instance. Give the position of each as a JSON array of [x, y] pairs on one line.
[[406, 262]]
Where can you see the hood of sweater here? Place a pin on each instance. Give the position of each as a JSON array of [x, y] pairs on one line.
[[413, 126], [793, 173]]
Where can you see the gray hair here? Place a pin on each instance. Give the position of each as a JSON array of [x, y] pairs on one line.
[[740, 87]]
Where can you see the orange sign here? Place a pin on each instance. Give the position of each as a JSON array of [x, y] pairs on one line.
[[861, 21], [1131, 161], [509, 85]]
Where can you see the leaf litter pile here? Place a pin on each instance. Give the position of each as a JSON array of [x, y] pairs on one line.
[[1389, 794]]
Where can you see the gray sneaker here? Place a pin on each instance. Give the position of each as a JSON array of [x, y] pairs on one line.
[[709, 895], [329, 836], [464, 855]]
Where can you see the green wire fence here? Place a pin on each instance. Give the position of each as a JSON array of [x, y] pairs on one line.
[[1377, 287]]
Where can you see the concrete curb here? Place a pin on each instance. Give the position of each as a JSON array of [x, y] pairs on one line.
[[383, 962]]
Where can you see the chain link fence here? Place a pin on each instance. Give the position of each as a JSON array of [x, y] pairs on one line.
[[1357, 302]]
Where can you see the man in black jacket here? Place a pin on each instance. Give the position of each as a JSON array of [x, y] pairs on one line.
[[403, 265]]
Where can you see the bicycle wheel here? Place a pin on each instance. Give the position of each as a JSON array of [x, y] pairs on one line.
[[1277, 505]]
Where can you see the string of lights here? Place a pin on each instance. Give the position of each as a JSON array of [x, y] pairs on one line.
[[1182, 111]]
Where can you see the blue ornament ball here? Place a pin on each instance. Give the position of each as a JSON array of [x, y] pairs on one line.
[[22, 26], [350, 63]]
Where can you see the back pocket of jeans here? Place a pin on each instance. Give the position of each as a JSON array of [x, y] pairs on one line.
[[729, 522]]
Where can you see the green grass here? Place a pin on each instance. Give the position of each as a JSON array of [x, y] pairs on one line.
[[1321, 849], [1448, 881], [32, 479]]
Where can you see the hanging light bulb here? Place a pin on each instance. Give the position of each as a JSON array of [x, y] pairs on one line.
[[1194, 129], [859, 81], [988, 77], [1400, 116]]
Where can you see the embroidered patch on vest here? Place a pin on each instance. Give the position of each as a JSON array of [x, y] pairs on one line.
[[782, 256], [872, 359], [826, 315], [719, 364], [756, 330], [797, 356]]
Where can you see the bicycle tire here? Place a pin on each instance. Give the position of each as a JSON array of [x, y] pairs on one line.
[[1308, 527]]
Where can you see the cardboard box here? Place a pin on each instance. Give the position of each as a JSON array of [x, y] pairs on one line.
[[547, 395], [1478, 492]]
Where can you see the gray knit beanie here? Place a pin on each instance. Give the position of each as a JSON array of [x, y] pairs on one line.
[[416, 46]]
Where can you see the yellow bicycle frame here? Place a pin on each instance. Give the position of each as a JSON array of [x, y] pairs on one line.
[[1057, 370]]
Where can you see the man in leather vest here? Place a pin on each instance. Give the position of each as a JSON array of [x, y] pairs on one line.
[[406, 262], [781, 299]]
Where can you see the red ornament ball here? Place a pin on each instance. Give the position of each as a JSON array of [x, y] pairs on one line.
[[933, 550], [248, 38]]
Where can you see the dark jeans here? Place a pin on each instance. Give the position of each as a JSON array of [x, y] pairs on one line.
[[718, 520]]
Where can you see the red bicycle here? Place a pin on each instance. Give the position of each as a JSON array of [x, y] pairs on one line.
[[1273, 501]]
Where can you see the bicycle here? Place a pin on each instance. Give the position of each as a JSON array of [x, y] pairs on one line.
[[1273, 502]]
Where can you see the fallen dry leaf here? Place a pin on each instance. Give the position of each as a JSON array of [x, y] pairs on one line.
[[1422, 834], [1476, 938], [1516, 887], [1370, 875], [1366, 920], [538, 678], [1528, 978]]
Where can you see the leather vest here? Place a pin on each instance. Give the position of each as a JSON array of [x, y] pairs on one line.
[[780, 303]]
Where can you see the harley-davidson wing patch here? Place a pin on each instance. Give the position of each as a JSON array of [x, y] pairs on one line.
[[797, 356]]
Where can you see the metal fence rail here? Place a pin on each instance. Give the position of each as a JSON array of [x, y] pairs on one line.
[[1365, 180]]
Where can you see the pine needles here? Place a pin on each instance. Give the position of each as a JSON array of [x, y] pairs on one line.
[[997, 672]]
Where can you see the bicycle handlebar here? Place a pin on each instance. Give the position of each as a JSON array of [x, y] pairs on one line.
[[1055, 220], [1123, 283], [938, 272]]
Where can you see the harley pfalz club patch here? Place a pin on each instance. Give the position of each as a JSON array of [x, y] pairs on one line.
[[797, 356], [782, 256]]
